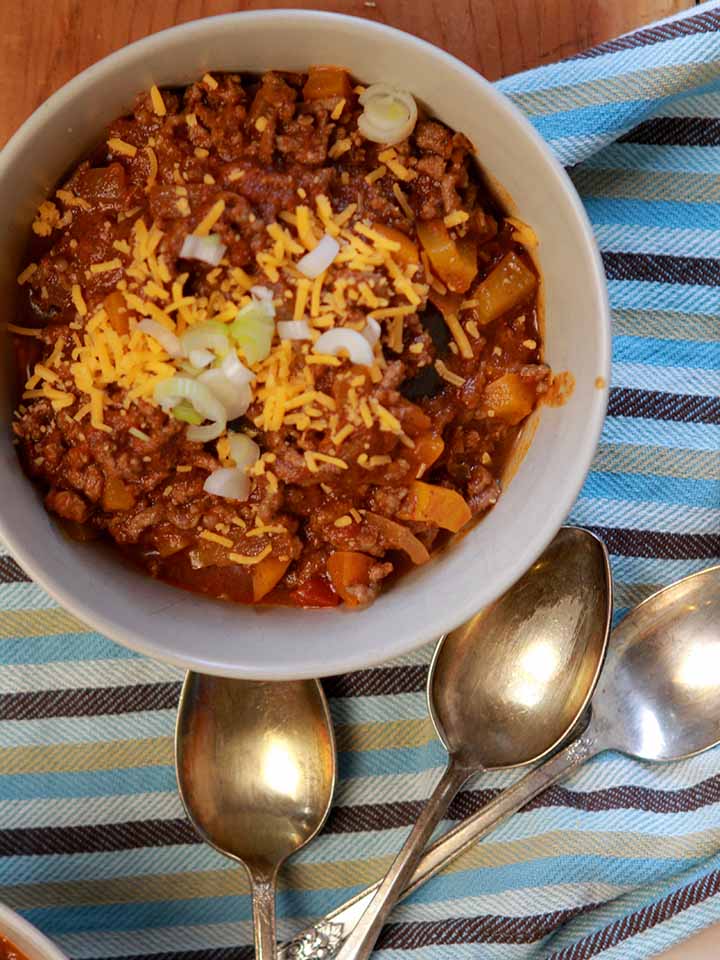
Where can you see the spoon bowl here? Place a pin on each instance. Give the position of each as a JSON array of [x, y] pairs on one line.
[[659, 698], [256, 771], [506, 687]]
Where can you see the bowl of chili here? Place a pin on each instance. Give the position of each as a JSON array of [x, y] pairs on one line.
[[455, 348], [20, 940]]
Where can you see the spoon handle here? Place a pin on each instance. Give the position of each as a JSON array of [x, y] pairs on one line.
[[359, 944], [263, 901], [321, 941]]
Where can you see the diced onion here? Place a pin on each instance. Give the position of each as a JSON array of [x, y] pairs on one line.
[[208, 249], [201, 358], [244, 451], [229, 483], [235, 370], [294, 330], [319, 258], [258, 292], [371, 331], [235, 398], [207, 336], [389, 116], [167, 340], [340, 338], [170, 392]]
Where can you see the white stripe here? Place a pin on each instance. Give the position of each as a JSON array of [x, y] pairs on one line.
[[666, 379], [77, 674], [641, 515], [85, 811], [678, 241], [700, 105], [96, 730]]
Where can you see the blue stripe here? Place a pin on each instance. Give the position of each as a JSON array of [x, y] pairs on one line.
[[646, 487], [664, 353], [586, 120], [94, 783], [652, 213]]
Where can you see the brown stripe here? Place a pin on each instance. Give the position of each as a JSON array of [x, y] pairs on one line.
[[483, 929], [96, 701], [89, 701], [665, 546], [661, 268], [100, 838], [379, 682], [676, 132], [388, 816], [700, 23], [12, 572], [654, 405], [642, 920]]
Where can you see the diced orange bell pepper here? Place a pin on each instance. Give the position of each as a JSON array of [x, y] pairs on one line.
[[509, 397], [266, 575], [117, 496], [428, 448], [427, 503], [507, 286], [454, 262], [348, 568], [324, 83], [408, 252]]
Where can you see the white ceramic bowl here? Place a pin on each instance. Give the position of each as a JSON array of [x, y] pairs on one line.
[[277, 643], [26, 937]]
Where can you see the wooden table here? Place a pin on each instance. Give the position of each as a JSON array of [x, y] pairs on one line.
[[42, 46]]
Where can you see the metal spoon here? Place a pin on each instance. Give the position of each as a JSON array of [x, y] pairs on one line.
[[256, 772], [506, 687], [658, 699]]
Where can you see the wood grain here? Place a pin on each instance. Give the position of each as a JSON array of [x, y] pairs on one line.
[[43, 45]]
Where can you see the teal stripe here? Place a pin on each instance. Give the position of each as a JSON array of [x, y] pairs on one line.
[[397, 760], [62, 648], [653, 570]]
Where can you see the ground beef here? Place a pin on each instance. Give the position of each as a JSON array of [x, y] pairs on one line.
[[263, 145]]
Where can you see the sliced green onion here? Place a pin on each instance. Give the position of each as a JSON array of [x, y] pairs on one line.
[[208, 336], [253, 330], [169, 393], [187, 413]]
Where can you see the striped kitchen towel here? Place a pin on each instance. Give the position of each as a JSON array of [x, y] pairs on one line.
[[620, 861]]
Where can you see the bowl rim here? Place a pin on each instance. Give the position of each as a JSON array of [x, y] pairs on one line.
[[349, 658], [13, 926]]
